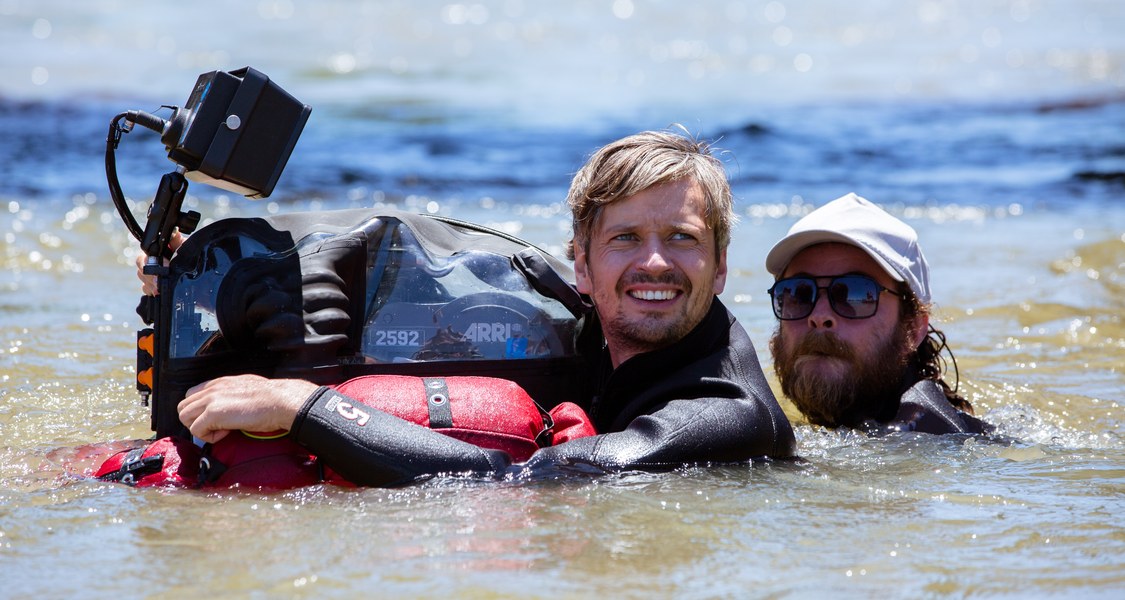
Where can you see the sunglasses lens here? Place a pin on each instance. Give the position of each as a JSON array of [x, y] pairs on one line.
[[851, 297], [794, 298], [854, 297]]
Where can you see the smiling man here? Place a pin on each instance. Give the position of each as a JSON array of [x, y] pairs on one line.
[[677, 382], [854, 346], [652, 268]]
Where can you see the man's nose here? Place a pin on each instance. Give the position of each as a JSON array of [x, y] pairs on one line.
[[654, 258], [822, 315]]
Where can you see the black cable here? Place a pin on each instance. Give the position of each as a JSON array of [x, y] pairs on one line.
[[111, 143], [146, 120]]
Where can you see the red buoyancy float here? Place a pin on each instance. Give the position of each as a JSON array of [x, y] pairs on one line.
[[488, 412]]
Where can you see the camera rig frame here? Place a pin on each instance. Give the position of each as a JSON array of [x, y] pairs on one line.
[[235, 132]]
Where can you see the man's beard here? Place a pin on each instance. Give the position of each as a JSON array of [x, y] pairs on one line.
[[660, 329], [864, 387]]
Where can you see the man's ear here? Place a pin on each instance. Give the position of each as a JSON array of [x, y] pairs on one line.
[[721, 273], [922, 329], [581, 271]]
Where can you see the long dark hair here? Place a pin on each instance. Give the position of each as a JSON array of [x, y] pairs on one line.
[[927, 360]]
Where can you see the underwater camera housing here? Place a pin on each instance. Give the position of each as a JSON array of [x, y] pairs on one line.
[[328, 296]]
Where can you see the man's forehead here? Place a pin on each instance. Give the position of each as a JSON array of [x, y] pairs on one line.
[[674, 203]]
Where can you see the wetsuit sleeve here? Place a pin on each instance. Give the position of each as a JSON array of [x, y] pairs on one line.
[[713, 429], [370, 447], [924, 408]]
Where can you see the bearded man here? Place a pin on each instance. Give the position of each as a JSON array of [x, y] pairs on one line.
[[854, 346]]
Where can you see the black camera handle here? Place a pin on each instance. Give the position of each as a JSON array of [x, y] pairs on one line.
[[164, 216]]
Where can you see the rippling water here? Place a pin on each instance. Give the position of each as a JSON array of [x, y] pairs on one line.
[[996, 128]]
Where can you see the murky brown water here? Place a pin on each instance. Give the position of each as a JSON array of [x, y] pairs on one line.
[[995, 127], [1039, 340]]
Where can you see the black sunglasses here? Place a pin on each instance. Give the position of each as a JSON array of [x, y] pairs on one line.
[[850, 296]]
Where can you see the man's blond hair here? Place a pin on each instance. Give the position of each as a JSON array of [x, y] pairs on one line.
[[635, 163]]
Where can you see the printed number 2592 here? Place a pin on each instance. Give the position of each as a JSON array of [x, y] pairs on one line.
[[398, 337]]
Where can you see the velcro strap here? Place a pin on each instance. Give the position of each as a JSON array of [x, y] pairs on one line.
[[135, 466], [210, 468], [548, 282], [437, 401]]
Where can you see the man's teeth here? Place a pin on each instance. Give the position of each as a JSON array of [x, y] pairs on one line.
[[653, 295]]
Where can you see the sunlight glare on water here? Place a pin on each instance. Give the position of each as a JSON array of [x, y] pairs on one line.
[[994, 128]]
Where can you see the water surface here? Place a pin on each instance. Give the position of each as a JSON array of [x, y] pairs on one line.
[[997, 129]]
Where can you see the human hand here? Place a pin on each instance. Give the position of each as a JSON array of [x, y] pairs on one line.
[[214, 408], [148, 282]]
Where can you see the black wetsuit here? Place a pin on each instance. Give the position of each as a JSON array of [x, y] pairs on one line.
[[925, 409], [703, 399]]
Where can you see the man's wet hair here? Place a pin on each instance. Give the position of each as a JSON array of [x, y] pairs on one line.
[[927, 360], [638, 162]]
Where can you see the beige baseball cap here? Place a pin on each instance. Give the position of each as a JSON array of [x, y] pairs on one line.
[[856, 221]]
